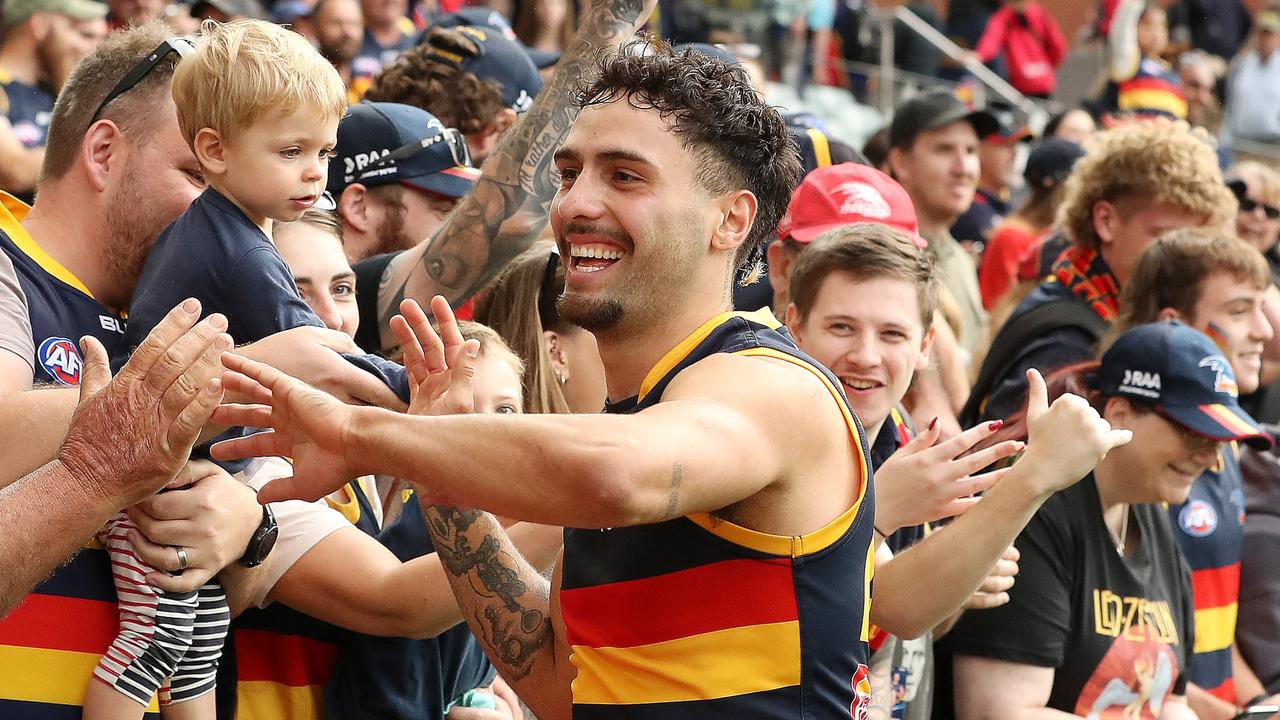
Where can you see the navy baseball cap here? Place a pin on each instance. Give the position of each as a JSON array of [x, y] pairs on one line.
[[1051, 162], [500, 59], [484, 17], [383, 143], [933, 110], [1184, 374]]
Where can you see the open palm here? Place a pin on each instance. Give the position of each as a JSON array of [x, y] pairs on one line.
[[303, 423]]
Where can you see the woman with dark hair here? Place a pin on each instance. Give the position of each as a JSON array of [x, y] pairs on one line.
[[1099, 624]]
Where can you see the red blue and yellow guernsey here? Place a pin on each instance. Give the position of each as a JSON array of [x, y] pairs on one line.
[[1209, 527], [699, 617]]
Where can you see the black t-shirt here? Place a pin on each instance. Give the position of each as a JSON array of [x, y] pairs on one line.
[[1118, 631], [368, 278]]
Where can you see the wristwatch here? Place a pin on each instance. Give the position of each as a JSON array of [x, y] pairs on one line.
[[264, 538]]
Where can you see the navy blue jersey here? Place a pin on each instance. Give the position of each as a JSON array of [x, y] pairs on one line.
[[214, 253], [72, 615], [699, 617], [397, 678], [28, 108], [62, 309]]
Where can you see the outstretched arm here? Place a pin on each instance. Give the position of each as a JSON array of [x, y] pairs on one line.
[[959, 557], [508, 208], [161, 399]]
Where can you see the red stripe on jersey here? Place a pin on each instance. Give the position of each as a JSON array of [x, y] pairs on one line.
[[290, 660], [41, 621], [1216, 587], [721, 595]]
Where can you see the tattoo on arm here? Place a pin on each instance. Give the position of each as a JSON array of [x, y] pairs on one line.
[[677, 478], [506, 602], [509, 207]]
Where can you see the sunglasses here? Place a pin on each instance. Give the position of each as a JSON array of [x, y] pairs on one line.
[[453, 139], [1192, 440], [181, 46], [1247, 205]]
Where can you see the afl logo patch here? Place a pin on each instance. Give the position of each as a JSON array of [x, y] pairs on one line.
[[1198, 519], [61, 359]]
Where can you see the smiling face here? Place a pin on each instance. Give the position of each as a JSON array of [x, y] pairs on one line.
[[940, 171], [1230, 312], [631, 219], [321, 272], [1163, 460], [276, 168], [868, 332]]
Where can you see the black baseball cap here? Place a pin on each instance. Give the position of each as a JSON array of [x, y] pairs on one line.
[[500, 59], [933, 110], [384, 143], [1184, 374], [484, 17], [1051, 162]]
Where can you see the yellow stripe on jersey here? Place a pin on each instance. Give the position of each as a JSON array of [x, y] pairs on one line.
[[686, 346], [821, 147], [712, 665], [1215, 628], [266, 700], [14, 211], [57, 677]]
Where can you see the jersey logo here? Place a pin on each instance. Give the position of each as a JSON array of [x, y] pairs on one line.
[[1198, 519], [861, 706], [60, 358]]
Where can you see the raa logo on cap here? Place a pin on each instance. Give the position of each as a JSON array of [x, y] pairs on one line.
[[1223, 380], [1198, 519], [61, 359]]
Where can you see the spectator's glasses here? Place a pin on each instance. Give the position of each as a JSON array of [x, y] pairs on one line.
[[451, 137], [1192, 440], [180, 45], [1249, 205]]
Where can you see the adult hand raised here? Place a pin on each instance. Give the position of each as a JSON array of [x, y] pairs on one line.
[[440, 366], [927, 480], [131, 434], [1067, 440]]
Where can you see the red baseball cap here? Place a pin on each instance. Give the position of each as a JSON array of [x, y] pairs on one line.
[[844, 194]]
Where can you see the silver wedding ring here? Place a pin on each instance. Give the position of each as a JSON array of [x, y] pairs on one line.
[[182, 559]]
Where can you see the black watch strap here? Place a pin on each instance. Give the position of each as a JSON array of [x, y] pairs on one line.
[[262, 541]]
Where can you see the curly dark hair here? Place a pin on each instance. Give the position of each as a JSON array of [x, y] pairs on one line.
[[739, 141], [420, 78]]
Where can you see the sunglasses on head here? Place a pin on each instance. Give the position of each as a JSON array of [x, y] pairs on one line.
[[1249, 205], [179, 45], [453, 139]]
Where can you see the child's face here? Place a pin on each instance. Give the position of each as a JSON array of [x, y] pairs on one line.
[[277, 168], [495, 388]]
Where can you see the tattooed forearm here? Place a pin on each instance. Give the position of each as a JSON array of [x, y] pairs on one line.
[[508, 209], [505, 600]]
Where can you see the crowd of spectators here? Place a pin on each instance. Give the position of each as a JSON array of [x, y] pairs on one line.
[[308, 311]]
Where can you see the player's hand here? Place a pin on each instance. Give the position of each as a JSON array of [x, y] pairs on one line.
[[927, 480], [307, 425], [1065, 442], [440, 366], [131, 434], [314, 356], [994, 591]]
